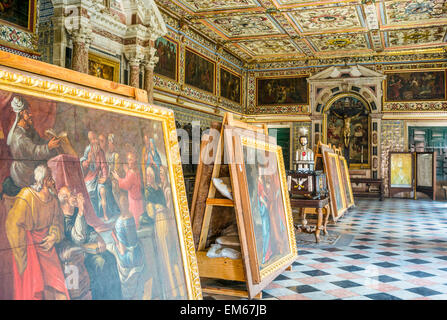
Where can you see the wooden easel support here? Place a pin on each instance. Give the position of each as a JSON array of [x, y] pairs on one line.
[[221, 268]]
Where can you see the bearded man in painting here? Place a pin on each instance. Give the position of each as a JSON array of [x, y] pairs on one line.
[[33, 227], [96, 175], [28, 149]]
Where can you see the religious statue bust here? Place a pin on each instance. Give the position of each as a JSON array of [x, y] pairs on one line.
[[304, 157]]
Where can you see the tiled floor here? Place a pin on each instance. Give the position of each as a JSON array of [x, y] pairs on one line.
[[399, 252]]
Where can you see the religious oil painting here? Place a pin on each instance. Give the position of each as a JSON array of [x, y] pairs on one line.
[[282, 91], [346, 181], [91, 200], [416, 86], [335, 181], [424, 170], [167, 53], [268, 207], [103, 68], [401, 170], [200, 72], [19, 13], [348, 129], [230, 86]]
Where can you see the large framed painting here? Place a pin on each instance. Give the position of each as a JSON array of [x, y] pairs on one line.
[[200, 72], [267, 214], [19, 13], [348, 128], [333, 172], [230, 85], [426, 173], [92, 190], [346, 182], [167, 53], [401, 172], [282, 91], [411, 86], [103, 68]]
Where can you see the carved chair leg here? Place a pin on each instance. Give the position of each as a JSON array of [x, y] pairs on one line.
[[319, 224]]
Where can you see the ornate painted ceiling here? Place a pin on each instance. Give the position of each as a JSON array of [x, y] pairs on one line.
[[271, 30]]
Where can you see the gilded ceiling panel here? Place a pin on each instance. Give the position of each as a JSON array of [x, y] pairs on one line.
[[419, 11], [336, 42], [321, 20], [209, 5], [245, 25], [415, 36], [270, 47]]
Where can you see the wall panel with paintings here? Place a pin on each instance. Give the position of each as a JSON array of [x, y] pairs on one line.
[[108, 171]]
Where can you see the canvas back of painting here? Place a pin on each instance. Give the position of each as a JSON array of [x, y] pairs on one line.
[[109, 171]]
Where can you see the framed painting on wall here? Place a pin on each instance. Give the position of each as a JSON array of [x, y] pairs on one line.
[[19, 13], [103, 68], [167, 53], [230, 85], [267, 214], [200, 72], [401, 172], [411, 86], [112, 166], [282, 91]]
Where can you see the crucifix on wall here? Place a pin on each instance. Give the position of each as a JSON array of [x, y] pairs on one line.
[[348, 129]]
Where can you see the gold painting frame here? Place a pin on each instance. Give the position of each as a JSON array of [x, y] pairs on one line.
[[389, 72], [280, 78], [242, 96], [177, 61], [20, 82], [335, 180], [203, 57], [262, 276], [106, 62], [32, 18], [346, 181]]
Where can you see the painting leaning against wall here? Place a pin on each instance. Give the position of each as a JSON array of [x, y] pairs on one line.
[[102, 189]]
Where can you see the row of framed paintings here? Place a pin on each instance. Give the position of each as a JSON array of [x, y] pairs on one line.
[[339, 182], [199, 71], [412, 172], [104, 176]]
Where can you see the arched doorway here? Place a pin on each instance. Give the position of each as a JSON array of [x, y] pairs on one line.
[[347, 126]]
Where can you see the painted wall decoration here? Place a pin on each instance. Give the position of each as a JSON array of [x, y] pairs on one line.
[[282, 91], [19, 13], [401, 170], [348, 129], [200, 72], [103, 68], [416, 86], [113, 192], [167, 52], [230, 86]]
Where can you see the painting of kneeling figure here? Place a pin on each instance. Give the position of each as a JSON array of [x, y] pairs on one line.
[[91, 203]]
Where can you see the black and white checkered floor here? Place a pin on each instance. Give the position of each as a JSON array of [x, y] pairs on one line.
[[399, 251]]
